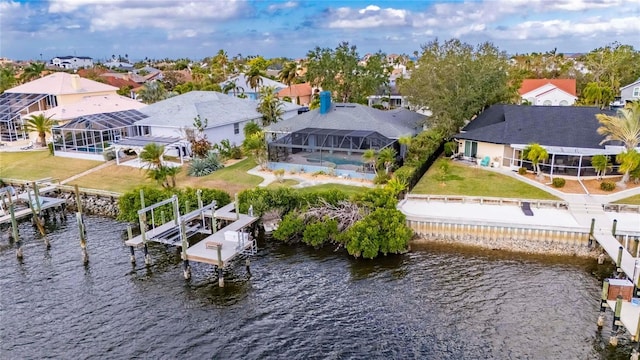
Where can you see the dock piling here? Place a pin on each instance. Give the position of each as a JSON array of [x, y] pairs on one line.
[[619, 260], [184, 244], [81, 228], [14, 230], [603, 302], [220, 277], [613, 228], [247, 264], [613, 340], [130, 236]]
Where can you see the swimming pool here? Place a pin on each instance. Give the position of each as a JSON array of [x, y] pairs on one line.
[[333, 159]]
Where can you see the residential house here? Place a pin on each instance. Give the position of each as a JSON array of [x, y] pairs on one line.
[[72, 62], [548, 92], [42, 94], [630, 92], [243, 86], [225, 116], [568, 133], [334, 137], [300, 94]]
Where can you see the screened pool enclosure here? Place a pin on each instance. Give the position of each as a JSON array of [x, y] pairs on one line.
[[14, 106], [95, 133]]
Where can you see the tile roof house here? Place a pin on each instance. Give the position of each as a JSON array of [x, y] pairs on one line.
[[339, 133], [90, 105], [569, 134], [42, 94], [225, 115], [300, 94], [549, 92]]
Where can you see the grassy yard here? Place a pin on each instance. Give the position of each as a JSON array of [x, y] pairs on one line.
[[632, 200], [34, 165], [348, 189], [472, 181], [284, 183], [117, 178]]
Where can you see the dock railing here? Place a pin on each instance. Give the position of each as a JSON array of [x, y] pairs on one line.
[[484, 200]]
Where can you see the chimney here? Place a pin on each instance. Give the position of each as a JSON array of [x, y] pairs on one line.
[[75, 81], [325, 102]]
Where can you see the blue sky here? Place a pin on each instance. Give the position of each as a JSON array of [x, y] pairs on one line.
[[196, 29]]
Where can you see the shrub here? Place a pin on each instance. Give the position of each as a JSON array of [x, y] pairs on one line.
[[319, 172], [558, 182], [204, 166], [381, 178], [51, 150], [450, 148], [109, 155], [405, 173], [236, 152], [279, 173], [607, 186], [522, 170]]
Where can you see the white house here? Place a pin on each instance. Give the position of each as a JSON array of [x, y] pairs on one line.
[[548, 92], [630, 92], [225, 115], [72, 62]]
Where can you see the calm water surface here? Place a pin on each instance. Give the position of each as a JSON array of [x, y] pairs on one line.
[[433, 303]]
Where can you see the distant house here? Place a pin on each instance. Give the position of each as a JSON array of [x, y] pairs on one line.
[[72, 62], [334, 137], [548, 92], [120, 65], [242, 83], [225, 115], [300, 94], [568, 133], [42, 94], [630, 92]]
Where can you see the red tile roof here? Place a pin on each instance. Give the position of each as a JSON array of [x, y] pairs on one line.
[[296, 90], [567, 85]]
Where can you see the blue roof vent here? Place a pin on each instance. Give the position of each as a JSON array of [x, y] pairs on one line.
[[325, 102]]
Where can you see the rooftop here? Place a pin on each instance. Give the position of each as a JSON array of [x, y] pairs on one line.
[[61, 83]]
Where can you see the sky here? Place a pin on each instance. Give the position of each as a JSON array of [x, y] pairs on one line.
[[158, 29]]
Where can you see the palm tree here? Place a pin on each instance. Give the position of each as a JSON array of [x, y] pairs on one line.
[[256, 146], [370, 157], [152, 154], [288, 74], [40, 124], [387, 157], [171, 172], [33, 71], [269, 106], [536, 153], [223, 60], [251, 128], [601, 164], [629, 161], [7, 77], [625, 127], [152, 92], [232, 86], [254, 78]]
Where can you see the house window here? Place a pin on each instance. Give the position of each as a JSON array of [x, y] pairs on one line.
[[636, 91], [236, 128], [470, 148]]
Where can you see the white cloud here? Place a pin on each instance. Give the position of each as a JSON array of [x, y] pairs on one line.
[[282, 6], [370, 17]]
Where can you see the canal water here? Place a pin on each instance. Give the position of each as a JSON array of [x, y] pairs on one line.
[[433, 303]]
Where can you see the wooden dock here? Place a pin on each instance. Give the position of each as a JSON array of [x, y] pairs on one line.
[[45, 204]]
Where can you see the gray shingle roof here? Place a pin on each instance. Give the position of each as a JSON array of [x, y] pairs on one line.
[[346, 116], [567, 126], [180, 111]]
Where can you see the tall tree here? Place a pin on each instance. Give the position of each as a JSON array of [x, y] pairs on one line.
[[597, 94], [269, 106], [387, 157], [7, 77], [288, 73], [232, 85], [454, 81], [254, 78], [613, 65], [33, 71], [341, 72], [536, 153], [152, 92], [40, 124], [625, 127]]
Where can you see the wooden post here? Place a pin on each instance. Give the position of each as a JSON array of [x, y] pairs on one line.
[[185, 244], [36, 219], [200, 206], [613, 340], [81, 228], [237, 206], [130, 236], [14, 230], [37, 196], [220, 265], [187, 207], [619, 259], [247, 264], [162, 217], [214, 225], [176, 209], [143, 235], [603, 302], [613, 228], [593, 225]]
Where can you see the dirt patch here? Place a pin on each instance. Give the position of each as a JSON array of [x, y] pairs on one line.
[[574, 187], [230, 162]]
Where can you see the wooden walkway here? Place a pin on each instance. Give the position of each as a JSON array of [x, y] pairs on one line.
[[45, 203]]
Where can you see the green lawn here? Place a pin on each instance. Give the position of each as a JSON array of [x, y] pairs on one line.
[[473, 181], [632, 200], [284, 183], [34, 165], [348, 189], [117, 178]]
